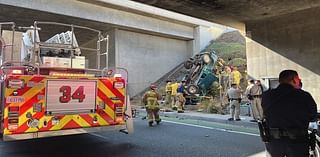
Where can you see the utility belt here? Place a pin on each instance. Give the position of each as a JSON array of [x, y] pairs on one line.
[[237, 99], [292, 134], [268, 134], [152, 107], [256, 96]]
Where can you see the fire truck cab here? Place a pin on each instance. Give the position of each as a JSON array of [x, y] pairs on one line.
[[50, 91]]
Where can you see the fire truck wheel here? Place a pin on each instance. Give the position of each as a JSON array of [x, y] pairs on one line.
[[188, 64], [193, 89]]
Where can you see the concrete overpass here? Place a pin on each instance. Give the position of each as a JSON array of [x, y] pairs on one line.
[[141, 36], [280, 34]]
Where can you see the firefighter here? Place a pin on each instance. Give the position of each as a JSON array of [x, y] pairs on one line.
[[289, 111], [150, 99], [168, 98], [174, 87], [180, 100], [236, 76]]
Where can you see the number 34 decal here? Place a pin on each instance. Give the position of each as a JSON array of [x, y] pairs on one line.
[[66, 94]]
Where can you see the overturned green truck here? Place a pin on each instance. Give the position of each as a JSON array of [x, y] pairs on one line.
[[201, 73]]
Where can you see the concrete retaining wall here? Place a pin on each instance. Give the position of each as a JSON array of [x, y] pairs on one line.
[[147, 57]]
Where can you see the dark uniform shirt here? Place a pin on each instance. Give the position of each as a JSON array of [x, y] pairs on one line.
[[288, 108]]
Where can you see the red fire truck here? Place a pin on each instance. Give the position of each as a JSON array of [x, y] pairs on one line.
[[50, 91]]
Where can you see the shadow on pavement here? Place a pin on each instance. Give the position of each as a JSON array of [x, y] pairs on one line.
[[84, 145]]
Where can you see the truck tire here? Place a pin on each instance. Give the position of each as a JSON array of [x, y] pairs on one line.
[[188, 64], [206, 58], [193, 89]]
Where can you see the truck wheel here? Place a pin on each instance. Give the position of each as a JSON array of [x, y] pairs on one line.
[[188, 64], [193, 89], [206, 58]]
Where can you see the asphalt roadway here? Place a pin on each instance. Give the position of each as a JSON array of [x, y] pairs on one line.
[[172, 138]]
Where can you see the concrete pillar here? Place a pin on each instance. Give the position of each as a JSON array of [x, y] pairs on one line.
[[204, 34], [286, 42]]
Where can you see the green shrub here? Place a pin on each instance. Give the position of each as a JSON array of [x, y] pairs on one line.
[[228, 50], [214, 90]]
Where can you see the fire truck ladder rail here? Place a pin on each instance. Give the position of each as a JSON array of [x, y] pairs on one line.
[[66, 46]]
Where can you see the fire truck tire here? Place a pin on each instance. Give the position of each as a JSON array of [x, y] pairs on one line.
[[188, 64], [193, 89]]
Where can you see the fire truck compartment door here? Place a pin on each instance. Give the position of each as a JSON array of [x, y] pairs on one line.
[[70, 96]]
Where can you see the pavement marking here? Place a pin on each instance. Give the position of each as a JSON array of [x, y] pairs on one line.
[[192, 125], [97, 135], [260, 154], [211, 128]]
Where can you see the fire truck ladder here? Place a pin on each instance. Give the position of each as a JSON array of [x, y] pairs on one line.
[[37, 44]]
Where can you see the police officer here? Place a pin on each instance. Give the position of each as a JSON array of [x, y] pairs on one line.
[[150, 99], [234, 97], [288, 111], [250, 97], [255, 93]]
